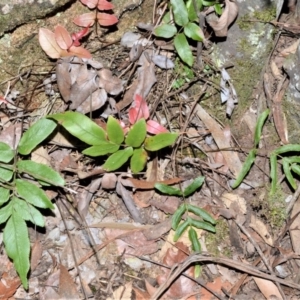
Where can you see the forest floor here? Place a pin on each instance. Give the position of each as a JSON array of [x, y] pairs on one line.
[[110, 235]]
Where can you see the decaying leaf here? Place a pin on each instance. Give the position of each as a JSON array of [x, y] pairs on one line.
[[183, 285], [261, 228], [85, 83], [214, 127], [229, 14]]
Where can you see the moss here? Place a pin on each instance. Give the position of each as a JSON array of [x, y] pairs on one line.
[[217, 243], [272, 208], [265, 15]]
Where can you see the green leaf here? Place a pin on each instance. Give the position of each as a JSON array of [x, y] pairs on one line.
[[40, 172], [180, 12], [287, 148], [114, 130], [183, 49], [7, 154], [293, 159], [218, 9], [168, 190], [35, 134], [245, 168], [33, 194], [165, 31], [160, 141], [5, 174], [176, 218], [136, 134], [5, 212], [81, 127], [194, 32], [138, 160], [189, 190], [192, 13], [201, 213], [202, 225], [4, 196], [17, 245], [103, 148], [259, 125], [209, 3], [166, 18], [288, 173], [194, 239], [181, 229], [296, 169], [28, 212], [118, 159], [273, 172]]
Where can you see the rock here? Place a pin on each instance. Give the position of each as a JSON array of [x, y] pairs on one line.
[[14, 13]]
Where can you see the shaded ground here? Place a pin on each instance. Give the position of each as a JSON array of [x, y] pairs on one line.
[[91, 247]]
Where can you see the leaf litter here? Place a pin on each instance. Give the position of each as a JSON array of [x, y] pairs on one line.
[[120, 200]]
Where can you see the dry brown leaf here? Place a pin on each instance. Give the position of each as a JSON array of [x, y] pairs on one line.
[[146, 185], [261, 229], [123, 292], [111, 84], [295, 228], [36, 254], [40, 155], [109, 181], [67, 288], [166, 204], [268, 288], [182, 286], [216, 286], [229, 14], [216, 131], [290, 50], [275, 70], [141, 295], [235, 202], [146, 76], [8, 286]]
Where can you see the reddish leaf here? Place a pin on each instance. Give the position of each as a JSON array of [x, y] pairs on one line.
[[106, 19], [49, 44], [80, 52], [90, 3], [104, 5], [62, 37], [155, 128], [85, 20], [140, 110], [79, 35]]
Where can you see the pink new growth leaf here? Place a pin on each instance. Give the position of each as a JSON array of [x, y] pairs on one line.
[[79, 35], [106, 19], [49, 44], [155, 128], [85, 20], [139, 111], [80, 52], [104, 5], [63, 37], [90, 3]]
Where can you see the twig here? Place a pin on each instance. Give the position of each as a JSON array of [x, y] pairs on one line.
[[264, 259]]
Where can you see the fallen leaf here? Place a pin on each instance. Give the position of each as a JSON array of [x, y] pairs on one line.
[[231, 157], [234, 202], [268, 288], [229, 14], [67, 288], [123, 292], [261, 228]]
